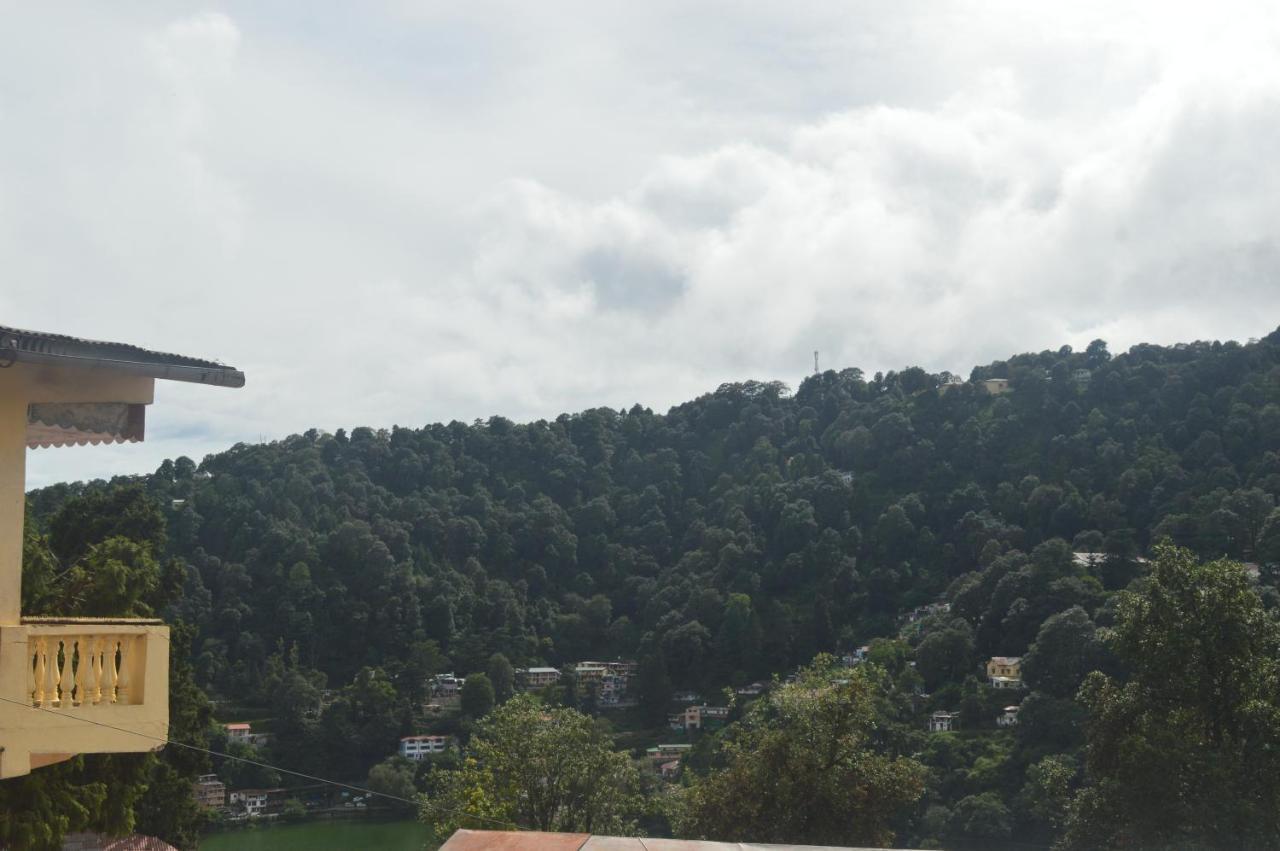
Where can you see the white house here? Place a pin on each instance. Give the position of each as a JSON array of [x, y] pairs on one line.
[[942, 722], [698, 717], [256, 802], [1007, 718], [240, 733], [418, 748], [445, 685], [532, 679]]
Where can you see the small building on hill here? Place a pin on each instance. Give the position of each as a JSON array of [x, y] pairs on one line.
[[942, 722], [1005, 671], [534, 679], [996, 386], [210, 792], [240, 733], [418, 748]]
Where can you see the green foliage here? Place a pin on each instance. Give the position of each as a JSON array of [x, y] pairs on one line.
[[721, 542], [502, 677], [1186, 752], [478, 696], [946, 654], [394, 776], [538, 767], [99, 558], [801, 766], [293, 810]]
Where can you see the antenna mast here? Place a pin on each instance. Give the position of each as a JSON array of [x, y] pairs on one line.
[[815, 362]]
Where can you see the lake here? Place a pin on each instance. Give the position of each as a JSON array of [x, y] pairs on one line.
[[327, 835]]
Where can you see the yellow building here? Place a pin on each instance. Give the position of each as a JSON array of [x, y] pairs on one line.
[[1005, 671], [58, 674]]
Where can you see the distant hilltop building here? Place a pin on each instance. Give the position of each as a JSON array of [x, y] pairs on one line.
[[996, 386], [993, 386]]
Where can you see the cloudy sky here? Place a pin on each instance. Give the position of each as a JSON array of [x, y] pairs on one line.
[[409, 212]]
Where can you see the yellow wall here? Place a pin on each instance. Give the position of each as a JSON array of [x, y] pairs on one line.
[[33, 737]]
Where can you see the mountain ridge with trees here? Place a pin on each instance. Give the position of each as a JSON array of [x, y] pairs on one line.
[[734, 537]]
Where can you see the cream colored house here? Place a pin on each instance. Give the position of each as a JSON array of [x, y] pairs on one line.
[[1005, 671], [996, 386], [58, 675]]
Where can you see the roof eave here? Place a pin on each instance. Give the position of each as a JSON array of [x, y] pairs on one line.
[[218, 376]]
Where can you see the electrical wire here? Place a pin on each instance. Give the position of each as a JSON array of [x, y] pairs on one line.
[[505, 824]]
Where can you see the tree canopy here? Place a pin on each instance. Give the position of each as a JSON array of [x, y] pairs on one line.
[[804, 766], [536, 766]]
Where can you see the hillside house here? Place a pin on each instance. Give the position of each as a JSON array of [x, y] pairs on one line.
[[701, 717], [59, 391], [590, 672], [996, 386], [418, 748], [667, 752], [942, 722], [534, 679], [1008, 717], [240, 733], [445, 686], [1005, 671], [210, 792], [256, 803]]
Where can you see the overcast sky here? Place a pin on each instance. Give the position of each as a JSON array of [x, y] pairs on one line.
[[399, 213]]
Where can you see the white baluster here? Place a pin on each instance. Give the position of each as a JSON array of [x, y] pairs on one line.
[[99, 668], [66, 678], [49, 653], [33, 672], [88, 661], [113, 672], [82, 669], [126, 653]]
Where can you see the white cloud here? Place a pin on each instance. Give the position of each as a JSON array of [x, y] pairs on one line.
[[410, 215]]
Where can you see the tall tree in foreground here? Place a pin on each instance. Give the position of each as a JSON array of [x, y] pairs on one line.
[[535, 766], [801, 767], [1186, 753]]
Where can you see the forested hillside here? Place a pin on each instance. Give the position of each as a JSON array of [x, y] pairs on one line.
[[734, 537]]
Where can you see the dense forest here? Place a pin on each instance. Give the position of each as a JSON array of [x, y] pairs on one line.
[[327, 577]]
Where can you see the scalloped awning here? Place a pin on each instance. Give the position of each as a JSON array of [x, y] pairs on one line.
[[61, 424]]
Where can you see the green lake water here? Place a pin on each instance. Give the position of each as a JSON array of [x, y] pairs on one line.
[[327, 835]]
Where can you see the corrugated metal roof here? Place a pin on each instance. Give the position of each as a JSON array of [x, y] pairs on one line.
[[45, 347], [505, 840]]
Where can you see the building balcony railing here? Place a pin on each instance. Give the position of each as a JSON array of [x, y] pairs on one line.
[[81, 685]]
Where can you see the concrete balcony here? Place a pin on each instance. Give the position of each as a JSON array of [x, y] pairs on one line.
[[67, 683]]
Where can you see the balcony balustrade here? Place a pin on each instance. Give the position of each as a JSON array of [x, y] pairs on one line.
[[68, 683]]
